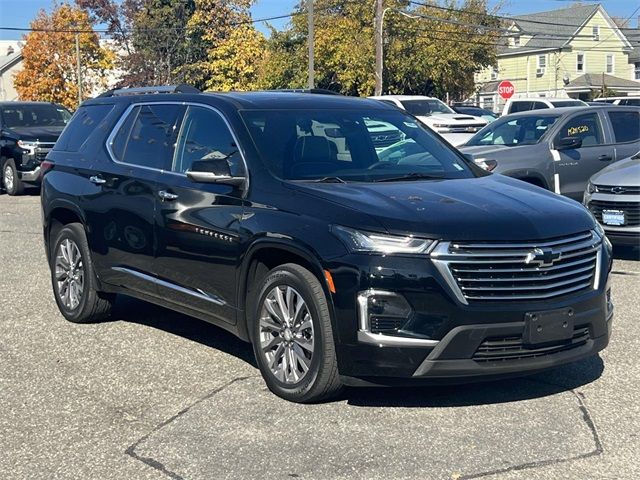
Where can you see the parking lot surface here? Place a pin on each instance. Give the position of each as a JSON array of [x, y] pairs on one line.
[[155, 395]]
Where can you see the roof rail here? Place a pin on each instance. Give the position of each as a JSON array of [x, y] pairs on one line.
[[320, 91], [120, 92]]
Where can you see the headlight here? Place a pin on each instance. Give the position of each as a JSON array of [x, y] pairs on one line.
[[358, 241], [591, 188], [26, 144]]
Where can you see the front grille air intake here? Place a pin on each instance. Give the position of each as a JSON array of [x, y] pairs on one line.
[[520, 271]]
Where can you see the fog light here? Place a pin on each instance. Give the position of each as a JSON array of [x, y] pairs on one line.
[[382, 311], [609, 301]]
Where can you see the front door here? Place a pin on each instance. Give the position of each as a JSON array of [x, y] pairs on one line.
[[198, 223], [574, 167]]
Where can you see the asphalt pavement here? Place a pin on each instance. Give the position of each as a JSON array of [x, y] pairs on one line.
[[155, 395]]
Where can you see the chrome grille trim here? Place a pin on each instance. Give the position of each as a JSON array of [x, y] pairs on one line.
[[524, 270]]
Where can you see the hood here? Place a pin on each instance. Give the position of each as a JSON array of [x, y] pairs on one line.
[[42, 134], [493, 207], [625, 173], [452, 119]]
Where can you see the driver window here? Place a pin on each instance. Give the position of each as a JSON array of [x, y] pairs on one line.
[[205, 136], [586, 127]]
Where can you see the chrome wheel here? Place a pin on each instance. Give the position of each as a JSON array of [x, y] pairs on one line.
[[69, 273], [8, 178], [286, 334]]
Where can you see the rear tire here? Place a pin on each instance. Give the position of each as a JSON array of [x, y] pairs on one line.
[[12, 184], [293, 338], [73, 278]]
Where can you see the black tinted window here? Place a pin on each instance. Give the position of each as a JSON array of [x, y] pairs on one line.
[[631, 101], [587, 127], [520, 107], [204, 136], [34, 115], [82, 124], [626, 126], [148, 135], [538, 106]]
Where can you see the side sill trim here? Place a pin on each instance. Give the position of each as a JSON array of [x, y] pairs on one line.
[[172, 286]]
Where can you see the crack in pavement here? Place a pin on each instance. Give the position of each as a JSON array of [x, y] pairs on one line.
[[586, 417], [153, 463], [579, 396]]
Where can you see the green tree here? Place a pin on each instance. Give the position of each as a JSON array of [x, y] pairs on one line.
[[50, 66]]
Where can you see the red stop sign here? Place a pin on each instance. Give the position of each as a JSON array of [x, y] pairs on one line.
[[506, 89]]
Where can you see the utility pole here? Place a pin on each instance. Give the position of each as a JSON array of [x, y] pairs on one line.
[[78, 65], [310, 42], [377, 27]]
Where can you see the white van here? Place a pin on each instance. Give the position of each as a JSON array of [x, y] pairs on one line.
[[515, 105]]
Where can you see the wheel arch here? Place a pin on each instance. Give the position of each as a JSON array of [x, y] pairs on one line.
[[529, 176], [59, 214], [263, 256]]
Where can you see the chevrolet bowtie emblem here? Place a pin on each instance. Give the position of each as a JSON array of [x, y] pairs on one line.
[[542, 257]]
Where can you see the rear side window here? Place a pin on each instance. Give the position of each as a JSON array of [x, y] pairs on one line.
[[635, 102], [82, 124], [539, 106], [520, 107], [147, 136], [626, 126]]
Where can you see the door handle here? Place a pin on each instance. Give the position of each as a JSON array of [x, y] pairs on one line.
[[97, 180], [605, 158], [164, 195]]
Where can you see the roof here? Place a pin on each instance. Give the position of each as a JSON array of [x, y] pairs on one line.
[[551, 29], [403, 97], [589, 80], [254, 100], [556, 112], [8, 61], [18, 103]]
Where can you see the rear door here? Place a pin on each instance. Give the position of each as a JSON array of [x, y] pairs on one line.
[[121, 210], [574, 167], [198, 223], [625, 128]]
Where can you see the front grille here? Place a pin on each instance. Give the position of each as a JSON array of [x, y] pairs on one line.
[[618, 190], [385, 139], [503, 272], [500, 349], [631, 210], [464, 128]]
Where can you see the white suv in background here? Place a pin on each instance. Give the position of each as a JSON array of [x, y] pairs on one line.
[[456, 128], [630, 101], [515, 105]]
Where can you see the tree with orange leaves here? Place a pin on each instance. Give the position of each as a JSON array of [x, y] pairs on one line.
[[50, 68]]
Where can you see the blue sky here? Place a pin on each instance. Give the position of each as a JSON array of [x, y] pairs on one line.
[[18, 13]]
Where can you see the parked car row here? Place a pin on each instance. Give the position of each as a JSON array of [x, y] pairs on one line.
[[282, 218]]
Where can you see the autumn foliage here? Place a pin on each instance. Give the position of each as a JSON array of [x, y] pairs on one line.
[[50, 69]]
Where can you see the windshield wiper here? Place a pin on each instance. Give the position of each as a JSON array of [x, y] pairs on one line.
[[412, 176], [329, 180]]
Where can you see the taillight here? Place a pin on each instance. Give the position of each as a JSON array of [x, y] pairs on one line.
[[45, 166]]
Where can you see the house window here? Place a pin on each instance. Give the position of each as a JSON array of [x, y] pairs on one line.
[[494, 73], [610, 63], [542, 64], [580, 63], [596, 33], [637, 71], [516, 41]]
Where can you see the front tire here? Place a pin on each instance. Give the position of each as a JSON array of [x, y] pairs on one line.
[[12, 184], [293, 338], [73, 278]]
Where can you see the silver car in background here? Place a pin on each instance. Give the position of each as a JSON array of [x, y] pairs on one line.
[[613, 196]]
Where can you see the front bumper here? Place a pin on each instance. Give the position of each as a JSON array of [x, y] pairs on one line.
[[442, 340], [30, 176]]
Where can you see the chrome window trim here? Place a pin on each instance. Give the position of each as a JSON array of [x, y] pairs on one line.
[[125, 114]]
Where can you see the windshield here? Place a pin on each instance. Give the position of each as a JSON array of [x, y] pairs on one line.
[[567, 103], [526, 130], [345, 145], [425, 107], [45, 115]]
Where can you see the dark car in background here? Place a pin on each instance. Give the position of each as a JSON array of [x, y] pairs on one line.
[[28, 131], [557, 148], [276, 216]]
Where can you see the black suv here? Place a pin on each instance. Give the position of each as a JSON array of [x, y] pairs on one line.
[[28, 131], [274, 216]]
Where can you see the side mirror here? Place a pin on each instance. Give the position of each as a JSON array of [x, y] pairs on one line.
[[213, 171], [568, 143]]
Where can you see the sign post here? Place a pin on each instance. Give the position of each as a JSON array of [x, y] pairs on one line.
[[506, 89]]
